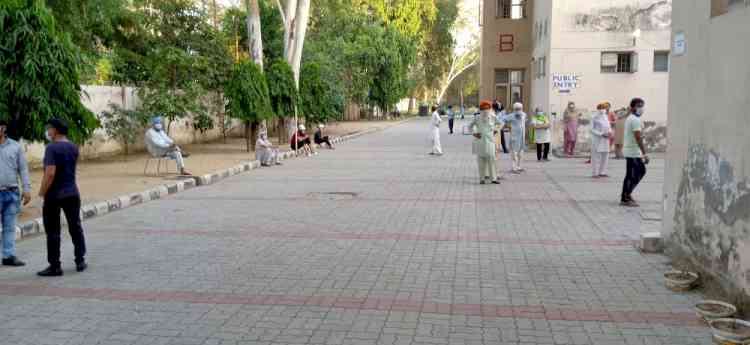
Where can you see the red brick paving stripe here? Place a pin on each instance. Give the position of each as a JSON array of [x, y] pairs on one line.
[[387, 304], [389, 236]]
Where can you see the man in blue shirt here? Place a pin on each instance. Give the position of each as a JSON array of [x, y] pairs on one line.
[[12, 165], [60, 192]]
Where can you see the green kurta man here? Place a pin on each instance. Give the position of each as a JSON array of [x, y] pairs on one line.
[[484, 145]]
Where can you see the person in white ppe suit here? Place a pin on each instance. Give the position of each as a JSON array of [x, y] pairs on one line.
[[484, 145], [159, 144], [437, 149], [517, 121], [265, 152], [601, 131]]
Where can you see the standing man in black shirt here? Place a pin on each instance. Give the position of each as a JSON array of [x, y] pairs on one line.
[[60, 192]]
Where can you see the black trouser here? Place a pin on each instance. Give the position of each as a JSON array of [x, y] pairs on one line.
[[450, 125], [71, 206], [635, 172], [542, 151], [324, 140], [502, 141], [300, 144]]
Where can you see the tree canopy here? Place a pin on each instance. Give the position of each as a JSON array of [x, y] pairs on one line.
[[39, 73]]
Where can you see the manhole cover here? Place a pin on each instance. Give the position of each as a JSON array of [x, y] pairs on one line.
[[332, 195]]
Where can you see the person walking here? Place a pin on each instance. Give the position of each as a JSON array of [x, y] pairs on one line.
[[517, 121], [541, 126], [499, 109], [451, 117], [437, 149], [635, 153], [60, 192], [601, 131], [484, 146], [570, 119], [12, 167]]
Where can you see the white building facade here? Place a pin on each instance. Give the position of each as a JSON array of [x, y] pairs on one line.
[[586, 52]]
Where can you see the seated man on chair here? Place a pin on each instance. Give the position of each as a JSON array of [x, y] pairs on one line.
[[160, 144]]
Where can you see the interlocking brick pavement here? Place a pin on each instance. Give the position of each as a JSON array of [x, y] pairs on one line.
[[374, 243]]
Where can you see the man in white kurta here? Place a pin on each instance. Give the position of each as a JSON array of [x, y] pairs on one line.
[[483, 127], [601, 130], [435, 132], [517, 120], [265, 152]]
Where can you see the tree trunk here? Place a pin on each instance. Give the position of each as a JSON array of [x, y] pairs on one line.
[[247, 135], [411, 105], [289, 19], [253, 135], [255, 41], [300, 30], [281, 131]]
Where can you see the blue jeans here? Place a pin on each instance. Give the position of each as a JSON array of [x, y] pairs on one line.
[[10, 205]]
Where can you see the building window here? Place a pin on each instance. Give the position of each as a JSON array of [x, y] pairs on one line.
[[719, 7], [661, 61], [541, 67], [511, 9], [626, 62]]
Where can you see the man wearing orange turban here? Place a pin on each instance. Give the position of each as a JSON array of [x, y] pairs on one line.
[[484, 145]]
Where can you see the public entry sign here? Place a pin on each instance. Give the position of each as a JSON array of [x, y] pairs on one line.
[[563, 83]]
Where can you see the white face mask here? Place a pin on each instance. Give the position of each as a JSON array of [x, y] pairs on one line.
[[639, 111], [603, 112], [158, 126], [47, 136]]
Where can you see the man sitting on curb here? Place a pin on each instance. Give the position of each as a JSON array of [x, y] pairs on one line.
[[265, 152], [159, 144], [301, 141], [321, 139]]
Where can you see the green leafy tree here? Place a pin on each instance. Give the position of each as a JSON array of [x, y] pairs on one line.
[[123, 125], [93, 26], [272, 31], [39, 73], [316, 99], [391, 82], [175, 58], [248, 99], [282, 91]]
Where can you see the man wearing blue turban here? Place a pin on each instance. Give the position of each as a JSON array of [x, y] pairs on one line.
[[159, 144]]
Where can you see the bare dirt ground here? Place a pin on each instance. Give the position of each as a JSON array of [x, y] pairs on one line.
[[103, 179]]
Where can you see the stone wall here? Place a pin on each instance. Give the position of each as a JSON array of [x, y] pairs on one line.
[[97, 99], [707, 177]]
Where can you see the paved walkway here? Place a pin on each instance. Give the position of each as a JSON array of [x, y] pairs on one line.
[[374, 243]]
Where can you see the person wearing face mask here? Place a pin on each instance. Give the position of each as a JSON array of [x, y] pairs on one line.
[[265, 152], [570, 119], [59, 191], [484, 146], [437, 149], [540, 123], [12, 167], [159, 144], [601, 131], [517, 121], [635, 153]]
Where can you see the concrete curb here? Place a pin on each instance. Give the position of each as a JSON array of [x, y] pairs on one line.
[[93, 210]]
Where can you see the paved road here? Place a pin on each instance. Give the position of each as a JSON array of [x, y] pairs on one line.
[[375, 243]]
